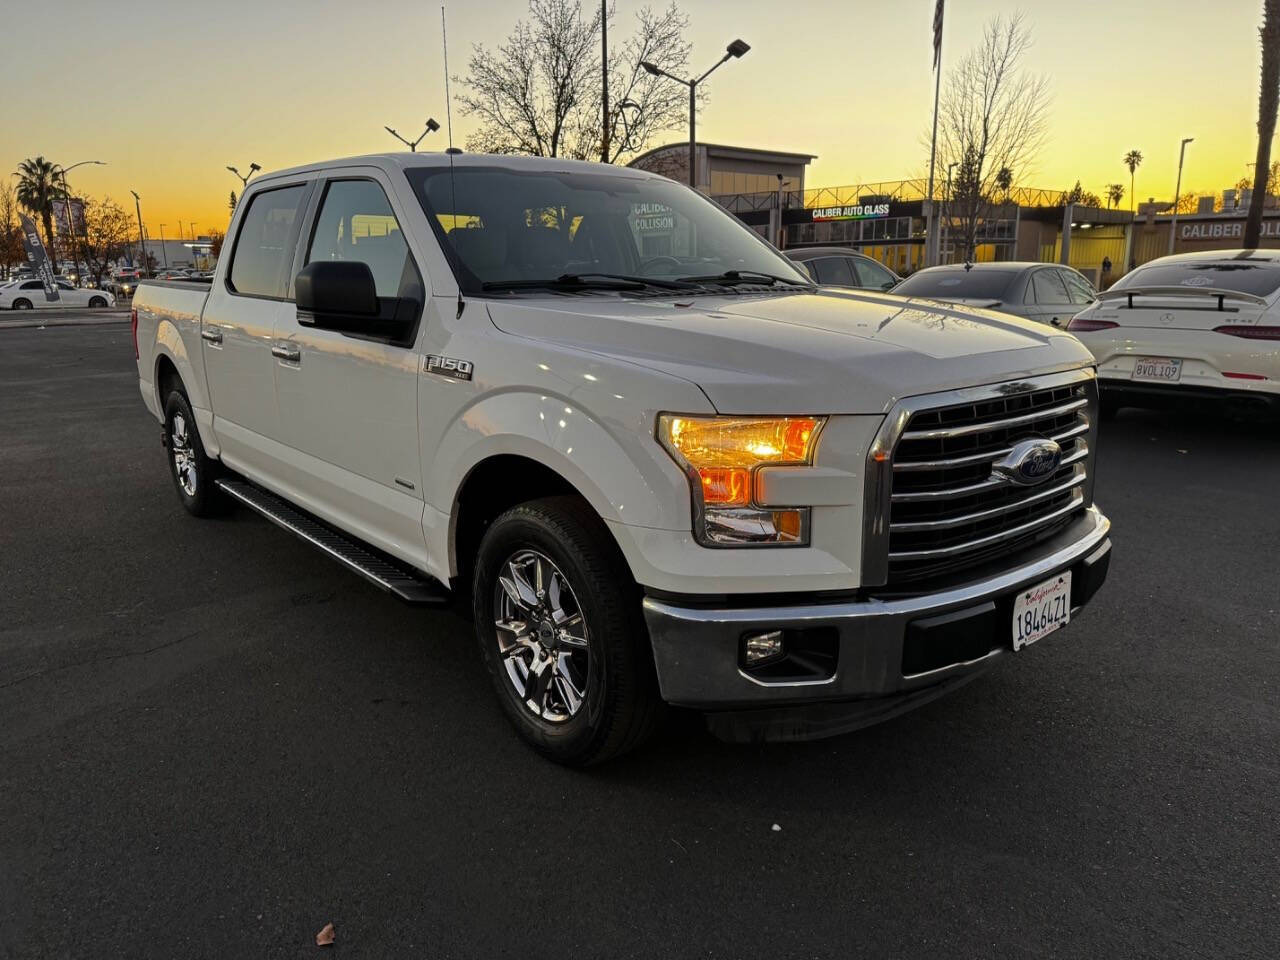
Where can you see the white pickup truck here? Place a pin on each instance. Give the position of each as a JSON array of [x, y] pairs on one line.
[[663, 465]]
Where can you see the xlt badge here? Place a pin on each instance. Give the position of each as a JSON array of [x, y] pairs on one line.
[[447, 367]]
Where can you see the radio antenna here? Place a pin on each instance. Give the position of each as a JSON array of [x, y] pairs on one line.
[[448, 116]]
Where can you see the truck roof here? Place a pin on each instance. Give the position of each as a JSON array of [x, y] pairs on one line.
[[404, 161]]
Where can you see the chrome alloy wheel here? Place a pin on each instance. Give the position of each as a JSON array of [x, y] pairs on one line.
[[184, 460], [542, 636]]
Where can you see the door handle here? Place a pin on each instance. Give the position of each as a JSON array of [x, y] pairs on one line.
[[212, 334], [284, 351]]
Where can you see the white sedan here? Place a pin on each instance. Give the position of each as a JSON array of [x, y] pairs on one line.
[[1190, 326], [28, 294]]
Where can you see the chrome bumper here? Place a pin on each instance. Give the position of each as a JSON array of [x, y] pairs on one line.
[[697, 650]]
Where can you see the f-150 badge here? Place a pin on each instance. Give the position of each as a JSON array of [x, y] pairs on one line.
[[447, 367]]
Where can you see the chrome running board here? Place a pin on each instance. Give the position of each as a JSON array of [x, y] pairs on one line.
[[390, 574]]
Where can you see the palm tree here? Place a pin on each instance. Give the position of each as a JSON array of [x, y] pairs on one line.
[[1267, 102], [1115, 193], [1132, 160], [1004, 181], [36, 193]]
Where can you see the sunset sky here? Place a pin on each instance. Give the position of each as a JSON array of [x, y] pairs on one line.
[[171, 93]]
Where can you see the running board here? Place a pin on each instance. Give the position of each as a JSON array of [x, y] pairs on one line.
[[386, 572]]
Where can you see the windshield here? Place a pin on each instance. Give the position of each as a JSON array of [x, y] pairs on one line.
[[510, 227], [957, 284], [1258, 277]]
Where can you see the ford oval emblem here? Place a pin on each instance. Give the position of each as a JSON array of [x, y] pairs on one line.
[[1029, 462]]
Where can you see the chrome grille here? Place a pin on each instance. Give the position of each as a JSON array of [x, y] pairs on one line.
[[947, 510]]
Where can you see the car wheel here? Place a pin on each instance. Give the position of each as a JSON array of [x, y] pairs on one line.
[[22, 303], [97, 303], [193, 472], [558, 621]]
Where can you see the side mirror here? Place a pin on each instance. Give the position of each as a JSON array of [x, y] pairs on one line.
[[335, 294]]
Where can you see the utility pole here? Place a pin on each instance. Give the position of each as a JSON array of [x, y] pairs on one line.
[[1173, 224], [163, 250], [142, 236], [604, 80], [934, 247]]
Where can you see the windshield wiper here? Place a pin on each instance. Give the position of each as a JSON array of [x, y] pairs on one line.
[[731, 278], [588, 281]]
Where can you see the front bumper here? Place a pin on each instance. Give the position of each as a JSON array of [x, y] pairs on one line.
[[879, 656]]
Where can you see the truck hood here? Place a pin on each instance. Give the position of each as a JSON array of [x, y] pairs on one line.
[[823, 352]]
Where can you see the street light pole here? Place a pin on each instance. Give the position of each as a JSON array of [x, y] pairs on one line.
[[432, 127], [142, 236], [735, 50], [942, 245], [163, 250], [1173, 224], [244, 178], [71, 226]]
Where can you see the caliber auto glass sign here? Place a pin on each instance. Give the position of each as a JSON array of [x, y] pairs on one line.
[[853, 211], [36, 257], [1230, 230]]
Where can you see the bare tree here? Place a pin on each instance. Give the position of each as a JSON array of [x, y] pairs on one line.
[[993, 116], [107, 235], [12, 250], [1268, 100], [540, 93]]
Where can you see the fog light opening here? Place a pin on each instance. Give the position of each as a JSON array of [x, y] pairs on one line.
[[762, 648]]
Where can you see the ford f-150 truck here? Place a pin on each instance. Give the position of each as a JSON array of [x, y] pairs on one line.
[[662, 464]]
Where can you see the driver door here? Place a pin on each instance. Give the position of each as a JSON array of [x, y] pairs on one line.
[[348, 401]]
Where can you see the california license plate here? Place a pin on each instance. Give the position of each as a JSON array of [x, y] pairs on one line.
[[1160, 369], [1042, 609]]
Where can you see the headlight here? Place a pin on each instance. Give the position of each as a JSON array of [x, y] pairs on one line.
[[721, 456]]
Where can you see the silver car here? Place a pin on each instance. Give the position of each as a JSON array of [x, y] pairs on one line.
[[1046, 292]]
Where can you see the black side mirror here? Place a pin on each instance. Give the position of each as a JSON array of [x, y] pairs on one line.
[[331, 291]]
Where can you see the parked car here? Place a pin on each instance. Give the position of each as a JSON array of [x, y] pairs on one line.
[[1047, 293], [29, 294], [841, 267], [124, 283], [1193, 326], [692, 478]]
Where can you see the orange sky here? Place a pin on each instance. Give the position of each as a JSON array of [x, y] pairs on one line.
[[170, 94]]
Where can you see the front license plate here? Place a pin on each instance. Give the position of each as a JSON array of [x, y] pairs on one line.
[[1160, 369], [1042, 609]]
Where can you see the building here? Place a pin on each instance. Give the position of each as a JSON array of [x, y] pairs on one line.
[[728, 170]]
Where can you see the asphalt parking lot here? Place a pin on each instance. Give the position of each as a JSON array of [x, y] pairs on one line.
[[213, 741]]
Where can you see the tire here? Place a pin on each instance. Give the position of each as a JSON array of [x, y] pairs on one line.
[[589, 598], [22, 303], [1108, 407], [193, 472], [97, 303]]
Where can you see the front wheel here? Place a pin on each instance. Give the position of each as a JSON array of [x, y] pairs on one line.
[[22, 303], [558, 621], [97, 303]]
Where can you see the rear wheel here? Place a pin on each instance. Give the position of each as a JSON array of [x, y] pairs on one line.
[[557, 619], [22, 303], [97, 303], [193, 472]]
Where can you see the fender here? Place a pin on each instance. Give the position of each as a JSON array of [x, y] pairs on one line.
[[169, 343], [623, 482]]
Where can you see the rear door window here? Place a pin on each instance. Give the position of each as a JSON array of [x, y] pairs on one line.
[[1048, 287], [264, 245], [1078, 288], [871, 274], [833, 271]]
